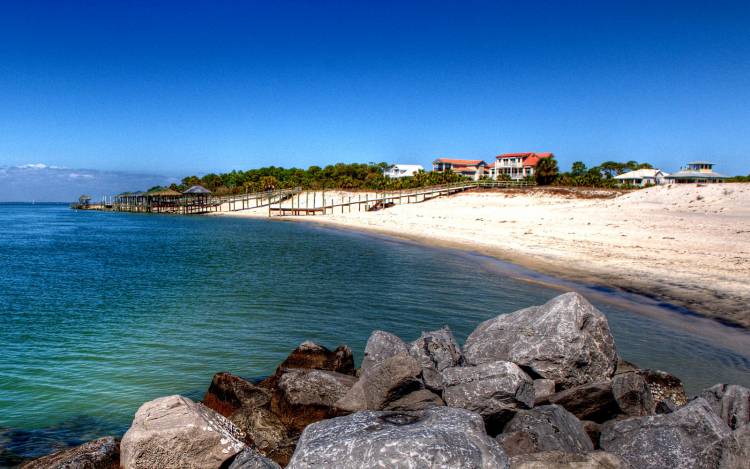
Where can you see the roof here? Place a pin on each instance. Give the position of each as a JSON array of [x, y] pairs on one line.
[[701, 162], [641, 174], [406, 166], [460, 162], [163, 193], [197, 190], [529, 158], [687, 174]]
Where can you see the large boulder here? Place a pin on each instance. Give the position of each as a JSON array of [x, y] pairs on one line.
[[493, 390], [441, 437], [675, 440], [175, 432], [545, 428], [417, 400], [383, 383], [664, 387], [436, 351], [248, 407], [731, 402], [249, 458], [561, 460], [307, 396], [566, 340], [380, 346], [103, 453], [312, 356], [632, 394], [543, 388], [594, 401], [731, 452]]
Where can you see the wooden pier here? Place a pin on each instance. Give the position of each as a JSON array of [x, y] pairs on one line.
[[296, 205]]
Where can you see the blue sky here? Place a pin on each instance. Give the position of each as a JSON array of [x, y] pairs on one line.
[[191, 87]]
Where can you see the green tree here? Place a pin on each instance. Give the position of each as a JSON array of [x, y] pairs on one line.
[[546, 171], [578, 169]]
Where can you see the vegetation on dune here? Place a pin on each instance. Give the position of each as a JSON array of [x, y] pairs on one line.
[[597, 176]]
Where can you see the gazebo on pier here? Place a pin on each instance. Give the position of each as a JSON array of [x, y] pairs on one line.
[[163, 200], [196, 199]]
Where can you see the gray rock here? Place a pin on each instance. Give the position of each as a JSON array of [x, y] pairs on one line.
[[548, 428], [632, 394], [493, 390], [560, 460], [417, 400], [593, 430], [390, 380], [675, 440], [249, 458], [354, 400], [665, 406], [593, 401], [175, 432], [380, 346], [436, 351], [731, 402], [664, 386], [731, 452], [566, 340], [305, 396], [543, 388], [265, 432], [441, 437], [103, 453]]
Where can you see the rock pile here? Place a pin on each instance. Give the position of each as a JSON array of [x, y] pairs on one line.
[[541, 387]]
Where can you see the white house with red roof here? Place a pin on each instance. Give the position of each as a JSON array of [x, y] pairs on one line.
[[470, 168], [517, 165]]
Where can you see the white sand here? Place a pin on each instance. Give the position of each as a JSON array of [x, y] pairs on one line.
[[686, 244]]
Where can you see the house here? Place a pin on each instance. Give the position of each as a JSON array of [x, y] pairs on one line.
[[473, 169], [518, 165], [696, 171], [642, 177], [402, 170]]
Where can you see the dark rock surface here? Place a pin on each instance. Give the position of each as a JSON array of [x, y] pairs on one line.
[[731, 452], [312, 356], [436, 351], [593, 430], [493, 390], [249, 458], [675, 440], [593, 401], [103, 453], [417, 400], [440, 437], [380, 346], [632, 394], [390, 380], [664, 386], [731, 402], [566, 340], [561, 460], [175, 432], [228, 393], [543, 388], [545, 428]]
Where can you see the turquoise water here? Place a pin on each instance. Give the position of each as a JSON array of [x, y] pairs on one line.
[[100, 312]]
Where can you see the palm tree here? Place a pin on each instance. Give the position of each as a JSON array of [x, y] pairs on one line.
[[546, 171]]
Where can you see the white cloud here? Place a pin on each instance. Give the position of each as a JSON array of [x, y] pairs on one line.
[[33, 166], [79, 175]]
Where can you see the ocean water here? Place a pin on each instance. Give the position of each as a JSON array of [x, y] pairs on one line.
[[100, 312]]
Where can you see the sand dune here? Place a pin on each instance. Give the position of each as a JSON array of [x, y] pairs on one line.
[[686, 244]]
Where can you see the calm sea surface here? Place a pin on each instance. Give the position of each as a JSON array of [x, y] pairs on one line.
[[100, 312]]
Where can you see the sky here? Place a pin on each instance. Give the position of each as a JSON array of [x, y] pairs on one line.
[[161, 90]]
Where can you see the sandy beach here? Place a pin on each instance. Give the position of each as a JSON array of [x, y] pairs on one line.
[[684, 244]]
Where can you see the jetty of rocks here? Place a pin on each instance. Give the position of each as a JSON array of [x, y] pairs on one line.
[[541, 387]]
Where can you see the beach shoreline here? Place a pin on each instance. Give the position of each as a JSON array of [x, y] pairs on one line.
[[633, 242]]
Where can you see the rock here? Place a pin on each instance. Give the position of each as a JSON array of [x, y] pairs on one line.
[[593, 430], [664, 386], [731, 452], [731, 402], [175, 432], [228, 392], [380, 346], [103, 453], [493, 390], [560, 460], [248, 406], [543, 388], [566, 340], [312, 356], [549, 428], [305, 396], [675, 440], [632, 394], [593, 401], [441, 437], [436, 351], [249, 458], [382, 384], [417, 400]]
